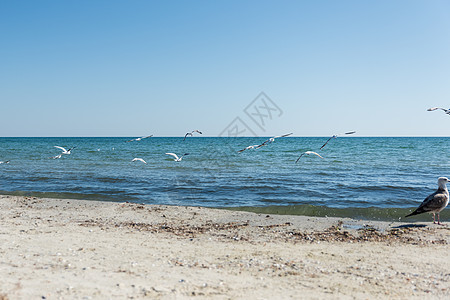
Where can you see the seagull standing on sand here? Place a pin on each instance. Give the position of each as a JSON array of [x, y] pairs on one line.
[[335, 136], [307, 153], [176, 158], [138, 139], [272, 139], [447, 111], [191, 133], [139, 159], [435, 202]]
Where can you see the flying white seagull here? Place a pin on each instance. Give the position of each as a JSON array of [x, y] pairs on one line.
[[335, 136], [4, 162], [272, 139], [139, 159], [447, 111], [67, 152], [64, 150], [191, 133], [307, 153], [435, 202], [176, 158], [140, 138], [247, 148]]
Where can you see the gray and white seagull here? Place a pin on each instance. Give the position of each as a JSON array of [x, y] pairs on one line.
[[272, 139], [247, 148], [335, 136], [307, 153], [176, 158], [139, 159], [191, 133], [447, 111], [66, 152], [435, 202], [140, 138]]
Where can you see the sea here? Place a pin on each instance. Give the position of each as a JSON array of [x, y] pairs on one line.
[[375, 178]]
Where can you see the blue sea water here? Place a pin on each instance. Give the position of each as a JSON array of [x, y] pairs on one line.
[[376, 177]]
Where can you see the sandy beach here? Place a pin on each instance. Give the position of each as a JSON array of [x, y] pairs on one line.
[[76, 249]]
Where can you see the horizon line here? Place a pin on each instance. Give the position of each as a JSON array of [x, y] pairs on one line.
[[262, 136]]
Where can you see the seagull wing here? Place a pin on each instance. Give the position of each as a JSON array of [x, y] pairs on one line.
[[312, 152], [187, 134], [434, 108], [198, 131], [350, 132], [300, 157], [139, 159], [431, 203], [250, 147], [284, 135], [436, 201], [64, 150], [263, 144], [327, 142], [174, 155]]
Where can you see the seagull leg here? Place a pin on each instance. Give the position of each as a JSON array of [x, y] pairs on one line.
[[439, 221], [434, 218]]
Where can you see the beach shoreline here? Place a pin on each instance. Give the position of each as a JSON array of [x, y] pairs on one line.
[[79, 249]]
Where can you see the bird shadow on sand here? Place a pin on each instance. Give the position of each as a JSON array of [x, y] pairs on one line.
[[411, 226]]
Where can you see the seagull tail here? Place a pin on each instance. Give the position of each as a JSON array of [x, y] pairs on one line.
[[416, 212]]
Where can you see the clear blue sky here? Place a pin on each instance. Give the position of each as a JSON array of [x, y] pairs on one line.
[[131, 68]]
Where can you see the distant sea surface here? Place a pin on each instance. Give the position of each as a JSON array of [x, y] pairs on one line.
[[372, 178]]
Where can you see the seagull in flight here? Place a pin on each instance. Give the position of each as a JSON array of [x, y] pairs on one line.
[[64, 150], [67, 152], [435, 202], [140, 138], [447, 111], [4, 162], [176, 158], [191, 133], [307, 153], [139, 159], [247, 148], [335, 136], [272, 139]]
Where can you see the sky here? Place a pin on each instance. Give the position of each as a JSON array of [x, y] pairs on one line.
[[135, 68]]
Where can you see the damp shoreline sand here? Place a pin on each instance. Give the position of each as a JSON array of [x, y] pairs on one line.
[[77, 249]]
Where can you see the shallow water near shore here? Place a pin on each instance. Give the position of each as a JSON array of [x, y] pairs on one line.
[[375, 178]]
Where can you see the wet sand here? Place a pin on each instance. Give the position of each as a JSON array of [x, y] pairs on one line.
[[75, 249]]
